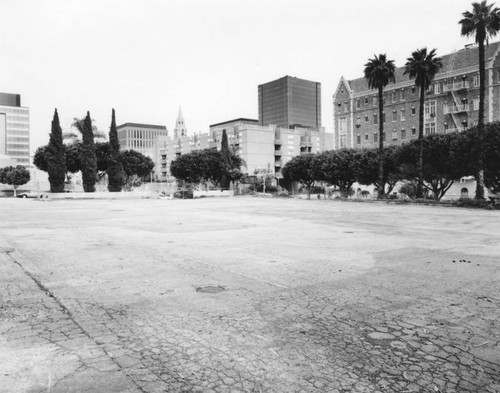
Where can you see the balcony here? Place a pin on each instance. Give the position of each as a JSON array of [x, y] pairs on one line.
[[456, 86], [278, 153], [456, 109], [277, 163]]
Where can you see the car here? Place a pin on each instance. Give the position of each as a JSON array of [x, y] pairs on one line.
[[28, 194], [188, 194]]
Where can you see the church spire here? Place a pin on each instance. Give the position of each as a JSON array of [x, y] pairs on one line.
[[180, 127]]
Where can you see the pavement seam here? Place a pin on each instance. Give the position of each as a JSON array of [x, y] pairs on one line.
[[65, 310]]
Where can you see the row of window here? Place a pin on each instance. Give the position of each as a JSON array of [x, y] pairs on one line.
[[402, 94]]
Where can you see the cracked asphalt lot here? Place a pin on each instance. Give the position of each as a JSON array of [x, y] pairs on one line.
[[247, 295]]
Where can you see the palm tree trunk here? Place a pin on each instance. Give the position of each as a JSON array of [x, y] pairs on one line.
[[381, 183], [420, 183], [480, 124]]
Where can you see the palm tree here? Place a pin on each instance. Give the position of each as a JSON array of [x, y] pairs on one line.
[[483, 22], [422, 67], [379, 72]]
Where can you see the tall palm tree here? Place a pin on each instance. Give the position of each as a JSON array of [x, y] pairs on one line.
[[483, 22], [422, 67], [380, 72]]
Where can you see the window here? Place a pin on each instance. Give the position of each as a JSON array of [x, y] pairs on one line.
[[358, 104], [413, 90], [403, 114], [475, 80], [413, 131], [430, 128], [343, 141], [394, 135], [465, 124], [366, 118], [430, 110], [375, 137], [393, 96], [383, 117], [403, 133], [413, 110], [375, 118], [366, 100], [394, 115], [403, 94], [375, 100], [437, 88], [366, 136], [358, 139], [346, 106], [358, 121], [475, 104], [343, 124]]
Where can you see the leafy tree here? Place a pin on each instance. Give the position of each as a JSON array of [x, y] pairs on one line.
[[483, 22], [422, 67], [465, 148], [73, 158], [301, 169], [14, 176], [54, 155], [202, 166], [337, 167], [39, 159], [88, 156], [101, 156], [380, 72], [136, 166], [439, 170], [368, 168], [114, 166]]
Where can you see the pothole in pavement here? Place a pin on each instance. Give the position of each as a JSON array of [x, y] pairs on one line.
[[210, 289]]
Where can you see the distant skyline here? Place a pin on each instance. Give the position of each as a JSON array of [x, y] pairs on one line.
[[147, 59]]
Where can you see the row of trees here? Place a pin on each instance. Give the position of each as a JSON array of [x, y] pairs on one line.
[[93, 159], [446, 158], [218, 167], [483, 22]]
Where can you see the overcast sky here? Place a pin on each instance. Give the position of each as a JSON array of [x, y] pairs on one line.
[[147, 58]]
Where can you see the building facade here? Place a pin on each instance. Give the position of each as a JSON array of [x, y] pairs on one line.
[[289, 102], [14, 129], [140, 137], [451, 102], [262, 148]]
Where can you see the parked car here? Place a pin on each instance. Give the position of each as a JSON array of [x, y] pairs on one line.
[[28, 194]]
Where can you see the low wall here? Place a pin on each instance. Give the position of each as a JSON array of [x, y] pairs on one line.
[[100, 195], [225, 193]]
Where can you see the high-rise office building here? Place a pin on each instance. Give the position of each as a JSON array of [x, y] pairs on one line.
[[290, 102], [14, 129]]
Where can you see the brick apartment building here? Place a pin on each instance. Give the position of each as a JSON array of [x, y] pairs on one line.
[[451, 102]]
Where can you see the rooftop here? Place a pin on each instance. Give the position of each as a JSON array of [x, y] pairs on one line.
[[142, 125], [453, 62]]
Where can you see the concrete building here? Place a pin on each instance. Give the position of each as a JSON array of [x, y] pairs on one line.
[[180, 130], [289, 102], [451, 102], [140, 137], [14, 129]]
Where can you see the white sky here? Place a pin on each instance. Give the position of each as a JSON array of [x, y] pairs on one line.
[[147, 58]]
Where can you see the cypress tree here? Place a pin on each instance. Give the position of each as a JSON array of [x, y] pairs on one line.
[[226, 154], [88, 158], [115, 169], [55, 157]]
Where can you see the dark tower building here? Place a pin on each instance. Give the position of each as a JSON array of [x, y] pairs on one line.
[[288, 102]]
